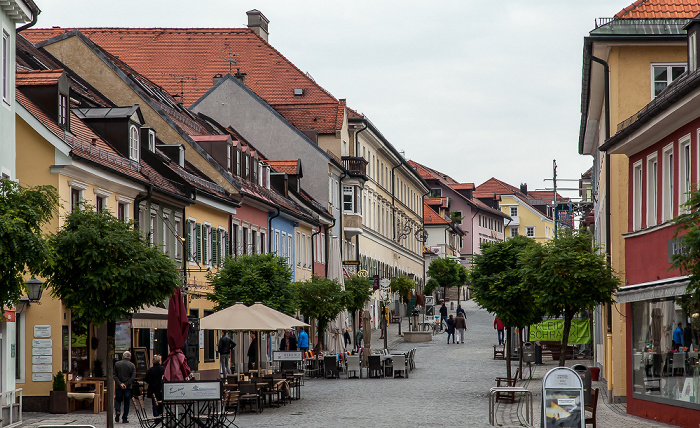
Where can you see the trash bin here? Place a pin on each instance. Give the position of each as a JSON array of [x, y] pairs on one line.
[[538, 353], [585, 374], [528, 353]]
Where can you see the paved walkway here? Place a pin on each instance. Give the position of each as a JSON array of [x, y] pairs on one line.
[[448, 388]]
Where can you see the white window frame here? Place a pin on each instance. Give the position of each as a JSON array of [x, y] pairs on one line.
[[222, 245], [692, 49], [6, 64], [192, 251], [667, 183], [134, 143], [652, 193], [151, 141], [228, 157], [349, 191], [530, 231], [165, 237], [323, 248], [514, 211], [277, 242], [290, 247], [637, 180], [62, 109], [669, 74], [685, 166], [297, 249], [153, 226], [238, 163], [513, 231]]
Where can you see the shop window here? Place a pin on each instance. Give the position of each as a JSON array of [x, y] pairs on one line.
[[209, 342]]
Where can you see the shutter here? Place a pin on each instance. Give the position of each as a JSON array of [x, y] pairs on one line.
[[228, 251], [205, 245], [198, 237], [214, 247], [188, 240], [217, 245]]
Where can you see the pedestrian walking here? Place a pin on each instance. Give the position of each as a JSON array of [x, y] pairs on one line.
[[303, 340], [450, 328], [460, 327], [499, 327], [124, 376], [460, 310], [154, 379], [226, 345], [443, 314], [252, 351]]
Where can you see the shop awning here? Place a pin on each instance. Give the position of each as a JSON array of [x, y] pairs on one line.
[[659, 289], [150, 317]]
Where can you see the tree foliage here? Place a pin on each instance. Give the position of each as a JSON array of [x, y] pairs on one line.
[[402, 285], [322, 299], [568, 276], [252, 278], [23, 247], [447, 272], [430, 286], [497, 284], [104, 269], [358, 290], [688, 237]]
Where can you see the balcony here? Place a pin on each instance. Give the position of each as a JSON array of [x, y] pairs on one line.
[[355, 165]]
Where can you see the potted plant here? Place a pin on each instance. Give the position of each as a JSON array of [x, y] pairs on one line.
[[58, 399]]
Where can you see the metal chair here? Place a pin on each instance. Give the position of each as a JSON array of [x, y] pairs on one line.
[[229, 408], [330, 366], [399, 363], [593, 408], [142, 414], [249, 395], [678, 363], [354, 366]]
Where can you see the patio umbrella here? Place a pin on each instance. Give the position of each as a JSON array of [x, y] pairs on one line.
[[290, 322], [366, 335], [175, 365]]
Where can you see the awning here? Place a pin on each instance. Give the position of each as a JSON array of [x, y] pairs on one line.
[[150, 317], [660, 289]]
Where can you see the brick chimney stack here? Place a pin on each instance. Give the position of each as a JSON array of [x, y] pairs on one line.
[[258, 23]]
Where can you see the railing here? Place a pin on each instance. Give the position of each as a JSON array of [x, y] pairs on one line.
[[9, 402], [355, 165], [602, 21]]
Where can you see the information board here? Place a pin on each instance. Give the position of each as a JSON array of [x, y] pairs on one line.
[[286, 355], [141, 360], [562, 399], [201, 390]]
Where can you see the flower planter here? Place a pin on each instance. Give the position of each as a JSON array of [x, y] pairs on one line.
[[58, 402]]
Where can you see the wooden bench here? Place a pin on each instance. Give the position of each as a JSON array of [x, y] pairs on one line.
[[394, 318]]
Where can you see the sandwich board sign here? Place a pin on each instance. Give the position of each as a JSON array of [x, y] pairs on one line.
[[562, 399]]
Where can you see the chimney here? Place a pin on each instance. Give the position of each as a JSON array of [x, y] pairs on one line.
[[217, 78], [258, 23], [523, 188], [240, 76]]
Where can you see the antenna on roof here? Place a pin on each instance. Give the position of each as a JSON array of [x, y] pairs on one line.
[[230, 60], [182, 83]]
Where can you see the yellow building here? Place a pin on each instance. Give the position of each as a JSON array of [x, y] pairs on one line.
[[626, 64]]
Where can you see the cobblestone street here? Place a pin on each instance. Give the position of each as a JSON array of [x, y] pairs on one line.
[[449, 388]]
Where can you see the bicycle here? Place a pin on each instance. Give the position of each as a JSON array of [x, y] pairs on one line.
[[436, 329]]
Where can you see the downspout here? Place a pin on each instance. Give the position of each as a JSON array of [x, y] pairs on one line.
[[137, 202], [606, 73], [35, 16], [328, 246], [269, 229]]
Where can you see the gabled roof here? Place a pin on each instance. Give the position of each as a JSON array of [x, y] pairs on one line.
[[431, 217], [38, 77], [498, 187], [163, 54], [656, 9], [290, 167]]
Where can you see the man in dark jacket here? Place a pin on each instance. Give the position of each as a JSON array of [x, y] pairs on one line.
[[225, 347], [154, 379], [443, 314], [687, 335], [450, 329], [253, 351], [124, 375]]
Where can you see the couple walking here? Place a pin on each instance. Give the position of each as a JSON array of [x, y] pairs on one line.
[[456, 327]]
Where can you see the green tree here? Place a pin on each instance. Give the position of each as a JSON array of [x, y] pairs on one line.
[[448, 273], [430, 286], [322, 299], [497, 285], [688, 260], [402, 285], [357, 292], [456, 217], [104, 270], [252, 278], [23, 247], [568, 275]]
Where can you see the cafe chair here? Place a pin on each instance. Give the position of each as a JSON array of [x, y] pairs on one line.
[[678, 363], [249, 396], [330, 367], [375, 369], [592, 408], [354, 366], [142, 413], [229, 408], [399, 363], [412, 359]]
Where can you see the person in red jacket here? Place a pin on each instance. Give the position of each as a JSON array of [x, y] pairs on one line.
[[499, 327]]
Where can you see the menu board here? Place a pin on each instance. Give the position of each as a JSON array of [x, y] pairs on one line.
[[141, 360]]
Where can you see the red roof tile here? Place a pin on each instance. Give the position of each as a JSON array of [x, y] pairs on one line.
[[201, 53], [430, 216], [655, 9], [290, 167], [462, 186], [547, 195], [37, 77]]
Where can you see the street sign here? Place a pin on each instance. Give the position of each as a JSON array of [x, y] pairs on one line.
[[384, 284], [562, 399]]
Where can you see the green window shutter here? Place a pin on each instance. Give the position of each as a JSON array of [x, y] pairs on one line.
[[205, 254], [219, 256], [188, 240], [199, 242], [228, 251]]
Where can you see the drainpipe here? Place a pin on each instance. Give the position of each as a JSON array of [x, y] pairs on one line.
[[35, 16], [608, 197], [269, 229], [328, 246], [137, 202]]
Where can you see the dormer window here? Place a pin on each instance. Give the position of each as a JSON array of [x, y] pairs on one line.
[[247, 167], [151, 141], [692, 51], [238, 163], [134, 143], [228, 158], [62, 110]]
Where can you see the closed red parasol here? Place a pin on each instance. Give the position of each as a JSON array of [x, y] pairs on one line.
[[175, 365]]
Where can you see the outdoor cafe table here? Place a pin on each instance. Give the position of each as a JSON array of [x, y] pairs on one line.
[[191, 404]]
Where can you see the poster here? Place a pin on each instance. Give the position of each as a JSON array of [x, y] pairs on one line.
[[553, 330], [563, 408], [122, 336]]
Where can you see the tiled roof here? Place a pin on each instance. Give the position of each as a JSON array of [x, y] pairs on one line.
[[436, 202], [656, 9], [430, 216], [290, 167], [462, 186], [201, 53], [547, 195], [424, 173], [498, 187], [323, 118], [38, 77], [210, 137]]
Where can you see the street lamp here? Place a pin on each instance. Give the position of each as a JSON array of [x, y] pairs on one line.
[[34, 291]]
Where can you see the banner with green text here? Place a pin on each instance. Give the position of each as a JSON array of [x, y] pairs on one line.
[[553, 330]]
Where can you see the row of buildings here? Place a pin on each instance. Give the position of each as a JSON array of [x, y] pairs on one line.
[[640, 122], [155, 126]]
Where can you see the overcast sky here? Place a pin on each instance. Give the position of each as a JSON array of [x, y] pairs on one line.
[[475, 89]]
